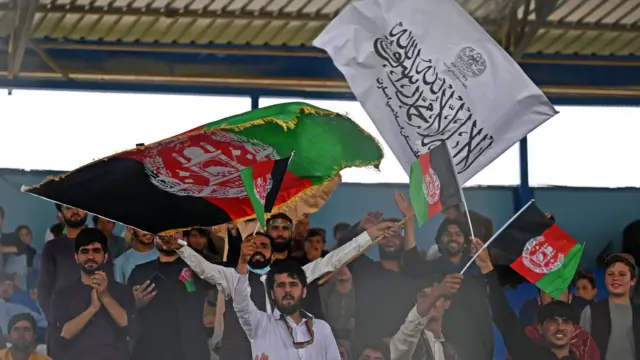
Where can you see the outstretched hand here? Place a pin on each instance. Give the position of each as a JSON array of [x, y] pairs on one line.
[[370, 220], [483, 261], [380, 229], [404, 205]]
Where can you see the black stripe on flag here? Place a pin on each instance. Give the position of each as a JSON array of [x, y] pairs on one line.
[[442, 165], [277, 176]]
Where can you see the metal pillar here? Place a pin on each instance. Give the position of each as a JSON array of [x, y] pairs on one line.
[[19, 39], [255, 102], [524, 191]]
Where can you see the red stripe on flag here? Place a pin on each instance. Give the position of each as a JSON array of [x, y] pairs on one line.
[[555, 237], [425, 166]]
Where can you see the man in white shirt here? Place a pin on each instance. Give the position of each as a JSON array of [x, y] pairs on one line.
[[288, 332], [420, 337], [225, 278]]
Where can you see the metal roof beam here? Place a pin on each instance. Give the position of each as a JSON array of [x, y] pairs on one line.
[[543, 9], [179, 13], [25, 12]]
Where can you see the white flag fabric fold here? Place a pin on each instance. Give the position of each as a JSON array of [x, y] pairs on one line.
[[426, 71]]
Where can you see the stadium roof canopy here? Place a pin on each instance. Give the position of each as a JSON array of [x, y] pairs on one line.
[[577, 51]]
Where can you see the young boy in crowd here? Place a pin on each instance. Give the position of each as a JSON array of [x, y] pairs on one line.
[[614, 323]]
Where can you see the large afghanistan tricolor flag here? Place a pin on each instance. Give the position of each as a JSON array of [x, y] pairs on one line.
[[193, 179], [537, 249]]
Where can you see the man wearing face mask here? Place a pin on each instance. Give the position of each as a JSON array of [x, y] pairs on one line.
[[235, 342], [93, 316], [302, 334], [170, 299]]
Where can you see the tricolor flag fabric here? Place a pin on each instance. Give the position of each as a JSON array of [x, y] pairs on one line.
[[262, 182], [433, 183], [426, 71], [538, 249], [193, 179]]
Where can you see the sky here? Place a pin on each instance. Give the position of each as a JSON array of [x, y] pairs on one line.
[[54, 130]]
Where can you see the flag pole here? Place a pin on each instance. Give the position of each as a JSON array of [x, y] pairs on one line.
[[462, 197], [258, 224], [478, 251]]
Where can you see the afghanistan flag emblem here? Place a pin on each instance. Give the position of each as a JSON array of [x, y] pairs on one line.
[[538, 249], [193, 179], [433, 183]]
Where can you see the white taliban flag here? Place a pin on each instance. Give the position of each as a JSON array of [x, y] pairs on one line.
[[424, 71]]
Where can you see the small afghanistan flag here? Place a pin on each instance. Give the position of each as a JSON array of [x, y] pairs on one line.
[[263, 181], [433, 184], [538, 249]]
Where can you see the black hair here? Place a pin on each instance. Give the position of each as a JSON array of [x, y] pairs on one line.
[[624, 259], [88, 236], [586, 275], [1, 212], [279, 216], [56, 230], [380, 347], [557, 309], [289, 267], [21, 317], [271, 239], [209, 246], [340, 227], [58, 207], [23, 227], [317, 232], [96, 218], [461, 224]]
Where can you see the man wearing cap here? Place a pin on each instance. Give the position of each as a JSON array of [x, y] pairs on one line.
[[22, 338]]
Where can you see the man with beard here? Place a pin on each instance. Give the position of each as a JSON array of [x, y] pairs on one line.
[[468, 324], [170, 299], [385, 292], [142, 250], [288, 332], [92, 315], [58, 266], [234, 341], [22, 335], [556, 320]]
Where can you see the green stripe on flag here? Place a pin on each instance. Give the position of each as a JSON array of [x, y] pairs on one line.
[[555, 283], [258, 206], [190, 285], [416, 193]]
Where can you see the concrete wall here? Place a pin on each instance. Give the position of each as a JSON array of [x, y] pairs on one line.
[[593, 216]]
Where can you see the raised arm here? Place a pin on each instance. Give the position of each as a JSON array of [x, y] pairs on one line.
[[513, 332], [251, 319], [403, 343], [338, 257], [223, 278]]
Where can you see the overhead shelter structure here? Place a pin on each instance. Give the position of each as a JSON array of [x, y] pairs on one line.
[[580, 52]]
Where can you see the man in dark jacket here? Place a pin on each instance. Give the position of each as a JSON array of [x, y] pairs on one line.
[[556, 320]]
